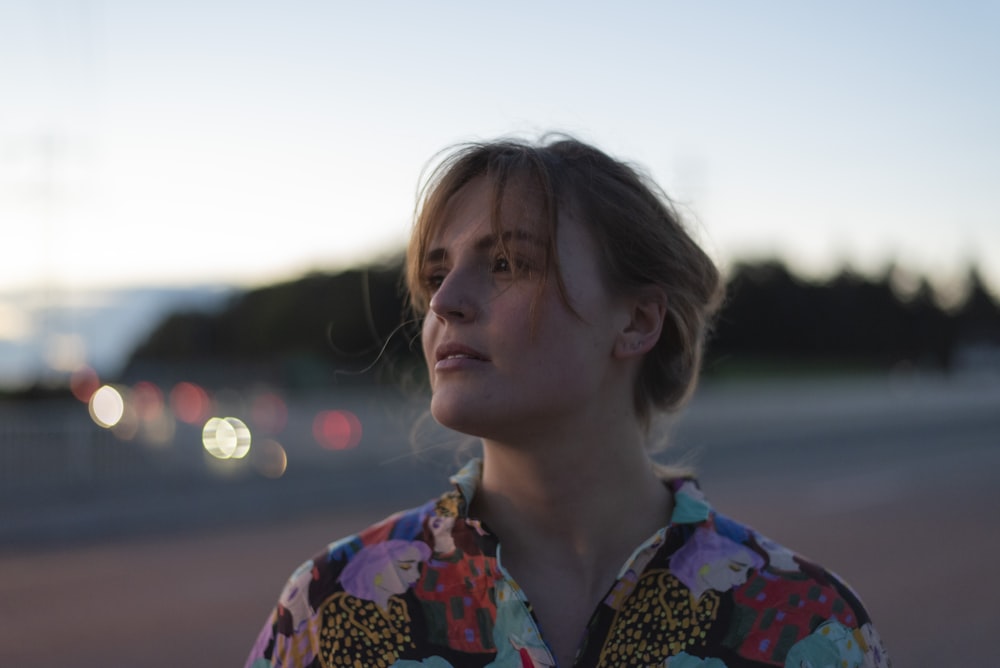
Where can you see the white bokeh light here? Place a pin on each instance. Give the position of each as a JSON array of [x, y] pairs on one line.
[[107, 406], [226, 438]]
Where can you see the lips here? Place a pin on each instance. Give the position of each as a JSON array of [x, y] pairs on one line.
[[457, 351]]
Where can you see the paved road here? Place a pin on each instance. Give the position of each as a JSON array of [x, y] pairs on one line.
[[893, 486]]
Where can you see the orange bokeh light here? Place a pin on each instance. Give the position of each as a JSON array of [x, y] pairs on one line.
[[270, 459]]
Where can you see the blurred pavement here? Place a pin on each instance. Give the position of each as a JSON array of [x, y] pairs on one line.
[[889, 482]]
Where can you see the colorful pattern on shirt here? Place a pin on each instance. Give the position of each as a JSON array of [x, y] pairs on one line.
[[423, 588]]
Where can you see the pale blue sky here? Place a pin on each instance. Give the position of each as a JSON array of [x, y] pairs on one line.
[[185, 142]]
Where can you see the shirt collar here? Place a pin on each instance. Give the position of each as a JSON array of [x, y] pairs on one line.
[[466, 482], [690, 504]]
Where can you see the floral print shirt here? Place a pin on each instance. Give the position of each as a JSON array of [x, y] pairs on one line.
[[426, 587]]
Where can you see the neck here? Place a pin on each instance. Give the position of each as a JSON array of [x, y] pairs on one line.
[[587, 498]]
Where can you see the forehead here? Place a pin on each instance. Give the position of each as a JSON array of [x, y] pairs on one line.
[[481, 207], [407, 554]]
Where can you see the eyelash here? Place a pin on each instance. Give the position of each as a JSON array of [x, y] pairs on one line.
[[433, 281], [500, 264], [497, 262], [516, 264]]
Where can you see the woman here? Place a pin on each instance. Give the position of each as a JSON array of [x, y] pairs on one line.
[[563, 307]]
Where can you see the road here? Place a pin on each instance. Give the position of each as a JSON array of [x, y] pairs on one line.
[[893, 485]]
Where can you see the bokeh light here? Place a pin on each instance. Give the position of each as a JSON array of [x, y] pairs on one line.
[[127, 428], [147, 400], [269, 459], [153, 422], [83, 383], [269, 413], [226, 438], [190, 403], [337, 429], [159, 430], [66, 352], [107, 406]]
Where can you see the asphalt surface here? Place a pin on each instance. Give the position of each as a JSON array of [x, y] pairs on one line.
[[891, 484]]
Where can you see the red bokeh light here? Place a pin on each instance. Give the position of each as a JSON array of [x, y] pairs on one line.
[[337, 430], [190, 403], [83, 383], [147, 400]]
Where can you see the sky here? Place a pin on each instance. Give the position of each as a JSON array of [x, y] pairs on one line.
[[187, 142]]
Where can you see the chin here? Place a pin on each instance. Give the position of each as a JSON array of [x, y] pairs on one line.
[[456, 419], [466, 417]]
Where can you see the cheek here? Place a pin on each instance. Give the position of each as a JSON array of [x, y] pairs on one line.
[[426, 338]]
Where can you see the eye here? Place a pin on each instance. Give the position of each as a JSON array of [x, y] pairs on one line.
[[433, 280], [501, 264], [516, 265]]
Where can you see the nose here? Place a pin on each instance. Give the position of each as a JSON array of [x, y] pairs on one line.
[[455, 298]]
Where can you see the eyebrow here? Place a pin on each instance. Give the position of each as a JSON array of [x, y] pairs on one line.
[[488, 242]]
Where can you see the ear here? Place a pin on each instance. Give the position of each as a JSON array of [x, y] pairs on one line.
[[647, 310]]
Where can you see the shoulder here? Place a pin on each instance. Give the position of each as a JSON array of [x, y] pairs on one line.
[[342, 574], [319, 577], [776, 602]]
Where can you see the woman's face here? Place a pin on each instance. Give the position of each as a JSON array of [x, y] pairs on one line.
[[498, 369], [444, 542], [724, 573], [408, 568], [401, 572]]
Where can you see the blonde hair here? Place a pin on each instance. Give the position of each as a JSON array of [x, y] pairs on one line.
[[640, 236]]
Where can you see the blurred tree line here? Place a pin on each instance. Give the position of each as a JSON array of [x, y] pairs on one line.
[[850, 322], [351, 327]]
